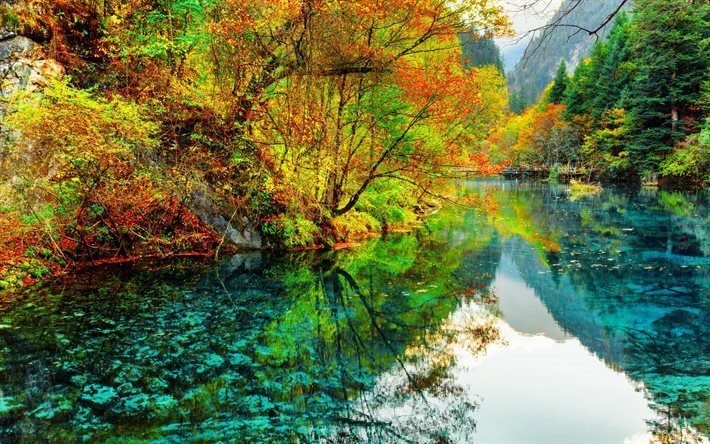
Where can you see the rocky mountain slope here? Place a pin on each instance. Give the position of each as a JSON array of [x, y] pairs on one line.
[[564, 41]]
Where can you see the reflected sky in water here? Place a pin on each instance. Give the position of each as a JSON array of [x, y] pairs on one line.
[[548, 318], [520, 306], [543, 385]]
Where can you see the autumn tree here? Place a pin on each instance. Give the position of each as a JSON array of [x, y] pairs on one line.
[[338, 95], [285, 109]]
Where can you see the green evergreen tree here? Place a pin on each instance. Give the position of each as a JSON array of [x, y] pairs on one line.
[[578, 92], [610, 76], [518, 102], [600, 83], [479, 50], [670, 41], [557, 92]]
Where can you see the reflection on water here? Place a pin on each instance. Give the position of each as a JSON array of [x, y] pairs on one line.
[[547, 320], [520, 306]]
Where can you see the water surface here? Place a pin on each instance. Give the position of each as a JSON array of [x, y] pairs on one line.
[[547, 318]]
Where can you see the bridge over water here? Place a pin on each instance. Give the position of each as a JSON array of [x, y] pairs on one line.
[[565, 173]]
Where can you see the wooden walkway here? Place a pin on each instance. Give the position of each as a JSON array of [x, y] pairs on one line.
[[526, 174], [565, 173]]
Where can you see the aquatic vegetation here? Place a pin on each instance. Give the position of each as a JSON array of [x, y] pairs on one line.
[[318, 345], [580, 189]]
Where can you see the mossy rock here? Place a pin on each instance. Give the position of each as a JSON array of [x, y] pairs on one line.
[[198, 403], [10, 408], [99, 396], [57, 409]]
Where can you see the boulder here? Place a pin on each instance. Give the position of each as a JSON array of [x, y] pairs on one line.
[[23, 66], [238, 231]]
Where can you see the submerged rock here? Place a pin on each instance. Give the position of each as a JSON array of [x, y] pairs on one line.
[[10, 407], [57, 409], [678, 323], [99, 396], [142, 405]]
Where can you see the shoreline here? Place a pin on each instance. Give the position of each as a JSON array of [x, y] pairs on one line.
[[14, 282]]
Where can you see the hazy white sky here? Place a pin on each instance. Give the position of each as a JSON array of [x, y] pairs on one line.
[[524, 19]]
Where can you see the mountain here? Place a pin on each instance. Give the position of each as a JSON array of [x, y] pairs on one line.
[[562, 39], [479, 50]]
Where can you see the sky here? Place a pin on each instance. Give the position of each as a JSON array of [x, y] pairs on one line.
[[524, 20]]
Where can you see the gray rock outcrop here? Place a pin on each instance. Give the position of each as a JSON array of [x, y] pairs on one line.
[[236, 230]]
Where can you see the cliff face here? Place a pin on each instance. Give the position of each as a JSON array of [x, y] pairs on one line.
[[23, 65], [542, 56]]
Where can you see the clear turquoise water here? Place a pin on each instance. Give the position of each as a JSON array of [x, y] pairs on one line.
[[549, 318]]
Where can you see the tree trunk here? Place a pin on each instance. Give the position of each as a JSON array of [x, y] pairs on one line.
[[674, 118]]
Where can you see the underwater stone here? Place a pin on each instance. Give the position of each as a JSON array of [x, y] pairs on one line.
[[136, 405], [99, 395], [214, 360], [199, 403], [157, 385], [683, 290], [86, 421], [78, 380], [9, 407], [128, 373], [163, 406], [239, 359], [661, 292], [57, 410], [145, 406], [126, 389], [677, 323]]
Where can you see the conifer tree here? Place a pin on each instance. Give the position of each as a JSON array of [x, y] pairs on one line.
[[611, 74], [577, 94], [478, 50], [557, 92], [671, 53]]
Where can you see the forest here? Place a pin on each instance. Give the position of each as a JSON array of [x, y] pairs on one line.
[[634, 110], [177, 127], [551, 42], [314, 221]]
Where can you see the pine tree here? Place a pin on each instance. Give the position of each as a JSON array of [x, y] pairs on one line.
[[670, 52], [577, 94], [479, 50], [557, 92], [600, 83], [610, 74]]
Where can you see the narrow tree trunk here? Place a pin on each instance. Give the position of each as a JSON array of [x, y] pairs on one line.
[[674, 113], [674, 118]]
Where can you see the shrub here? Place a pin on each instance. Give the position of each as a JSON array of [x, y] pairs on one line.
[[291, 231], [690, 161], [355, 225], [85, 172]]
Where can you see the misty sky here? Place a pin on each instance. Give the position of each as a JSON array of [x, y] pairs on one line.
[[524, 20]]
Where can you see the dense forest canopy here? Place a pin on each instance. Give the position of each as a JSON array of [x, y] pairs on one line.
[[635, 110], [301, 122], [480, 50], [167, 126]]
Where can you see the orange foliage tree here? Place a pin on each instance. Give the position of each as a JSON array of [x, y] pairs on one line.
[[537, 137], [335, 95]]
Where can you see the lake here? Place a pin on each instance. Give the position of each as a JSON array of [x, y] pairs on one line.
[[547, 318]]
